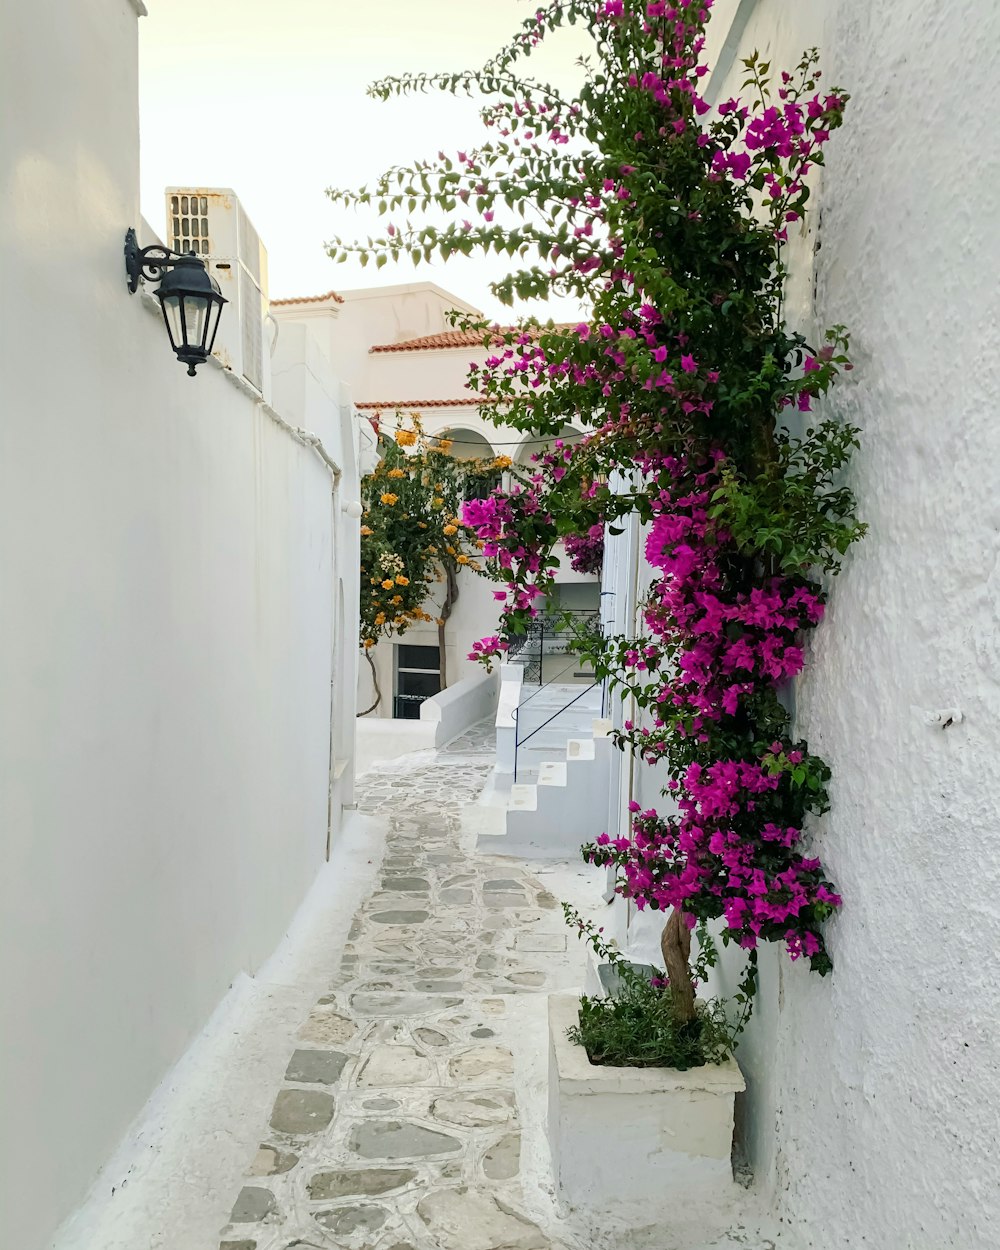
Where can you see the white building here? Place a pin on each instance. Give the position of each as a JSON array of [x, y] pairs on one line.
[[396, 348], [179, 628]]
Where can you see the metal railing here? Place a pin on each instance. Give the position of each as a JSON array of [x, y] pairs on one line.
[[400, 702], [519, 741], [543, 637], [552, 621]]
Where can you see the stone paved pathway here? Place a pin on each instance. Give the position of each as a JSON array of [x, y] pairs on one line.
[[397, 1125]]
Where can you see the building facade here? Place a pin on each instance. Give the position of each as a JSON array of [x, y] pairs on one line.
[[397, 373]]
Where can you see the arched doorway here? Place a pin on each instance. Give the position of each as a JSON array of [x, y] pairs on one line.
[[466, 444]]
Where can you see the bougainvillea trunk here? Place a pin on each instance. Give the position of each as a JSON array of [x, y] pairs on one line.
[[675, 946], [378, 690]]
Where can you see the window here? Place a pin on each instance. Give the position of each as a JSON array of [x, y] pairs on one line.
[[418, 676]]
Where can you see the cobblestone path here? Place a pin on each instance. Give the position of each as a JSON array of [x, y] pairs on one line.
[[397, 1126]]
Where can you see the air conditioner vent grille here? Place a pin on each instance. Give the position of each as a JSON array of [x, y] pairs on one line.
[[189, 224]]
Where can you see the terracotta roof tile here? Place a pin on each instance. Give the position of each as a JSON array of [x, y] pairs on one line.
[[446, 339], [391, 404], [311, 299]]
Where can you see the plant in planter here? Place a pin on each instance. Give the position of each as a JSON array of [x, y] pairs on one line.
[[636, 1025], [641, 1101]]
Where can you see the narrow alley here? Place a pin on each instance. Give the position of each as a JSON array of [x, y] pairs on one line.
[[397, 1123]]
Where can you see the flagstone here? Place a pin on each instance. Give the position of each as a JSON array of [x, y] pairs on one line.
[[252, 1204], [316, 1067], [478, 1110], [344, 1221], [469, 1219], [502, 1160], [489, 1063], [395, 1065], [301, 1111], [272, 1160], [399, 1139], [369, 1182]]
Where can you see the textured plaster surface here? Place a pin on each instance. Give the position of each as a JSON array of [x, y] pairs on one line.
[[872, 1114]]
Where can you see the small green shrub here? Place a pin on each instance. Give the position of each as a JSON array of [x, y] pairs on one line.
[[638, 1027]]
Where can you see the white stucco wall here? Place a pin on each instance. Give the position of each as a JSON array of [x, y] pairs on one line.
[[876, 1123], [870, 1117], [168, 570]]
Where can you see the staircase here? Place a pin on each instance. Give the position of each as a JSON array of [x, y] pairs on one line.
[[558, 794]]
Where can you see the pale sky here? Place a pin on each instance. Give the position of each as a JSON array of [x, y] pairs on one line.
[[268, 97]]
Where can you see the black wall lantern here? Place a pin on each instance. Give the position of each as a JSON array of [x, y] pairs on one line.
[[188, 294]]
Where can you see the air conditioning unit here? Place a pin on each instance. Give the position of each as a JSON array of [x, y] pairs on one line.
[[212, 222]]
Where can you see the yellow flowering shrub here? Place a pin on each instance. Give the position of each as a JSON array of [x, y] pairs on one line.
[[412, 543]]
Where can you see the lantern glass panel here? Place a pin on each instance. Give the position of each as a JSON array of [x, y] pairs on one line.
[[214, 312], [195, 308], [172, 316]]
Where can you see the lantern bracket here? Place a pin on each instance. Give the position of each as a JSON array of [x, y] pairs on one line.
[[149, 262]]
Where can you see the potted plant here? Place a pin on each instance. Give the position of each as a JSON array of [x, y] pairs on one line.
[[641, 1100]]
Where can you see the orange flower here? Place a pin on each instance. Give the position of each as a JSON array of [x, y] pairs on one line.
[[389, 498], [396, 600], [450, 529], [388, 584], [369, 642], [445, 444], [396, 473], [463, 559], [366, 532], [406, 438], [401, 580], [502, 462]]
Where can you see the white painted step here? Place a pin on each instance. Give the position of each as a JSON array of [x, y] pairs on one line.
[[523, 798], [552, 773]]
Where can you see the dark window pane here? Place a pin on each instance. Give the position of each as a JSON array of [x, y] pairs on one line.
[[409, 656], [423, 684]]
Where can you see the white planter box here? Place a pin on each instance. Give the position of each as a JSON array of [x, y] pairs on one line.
[[637, 1142]]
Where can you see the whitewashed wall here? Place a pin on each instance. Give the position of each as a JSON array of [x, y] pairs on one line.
[[167, 563], [885, 1084], [870, 1117]]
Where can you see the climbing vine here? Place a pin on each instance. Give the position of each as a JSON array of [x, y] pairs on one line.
[[667, 214]]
